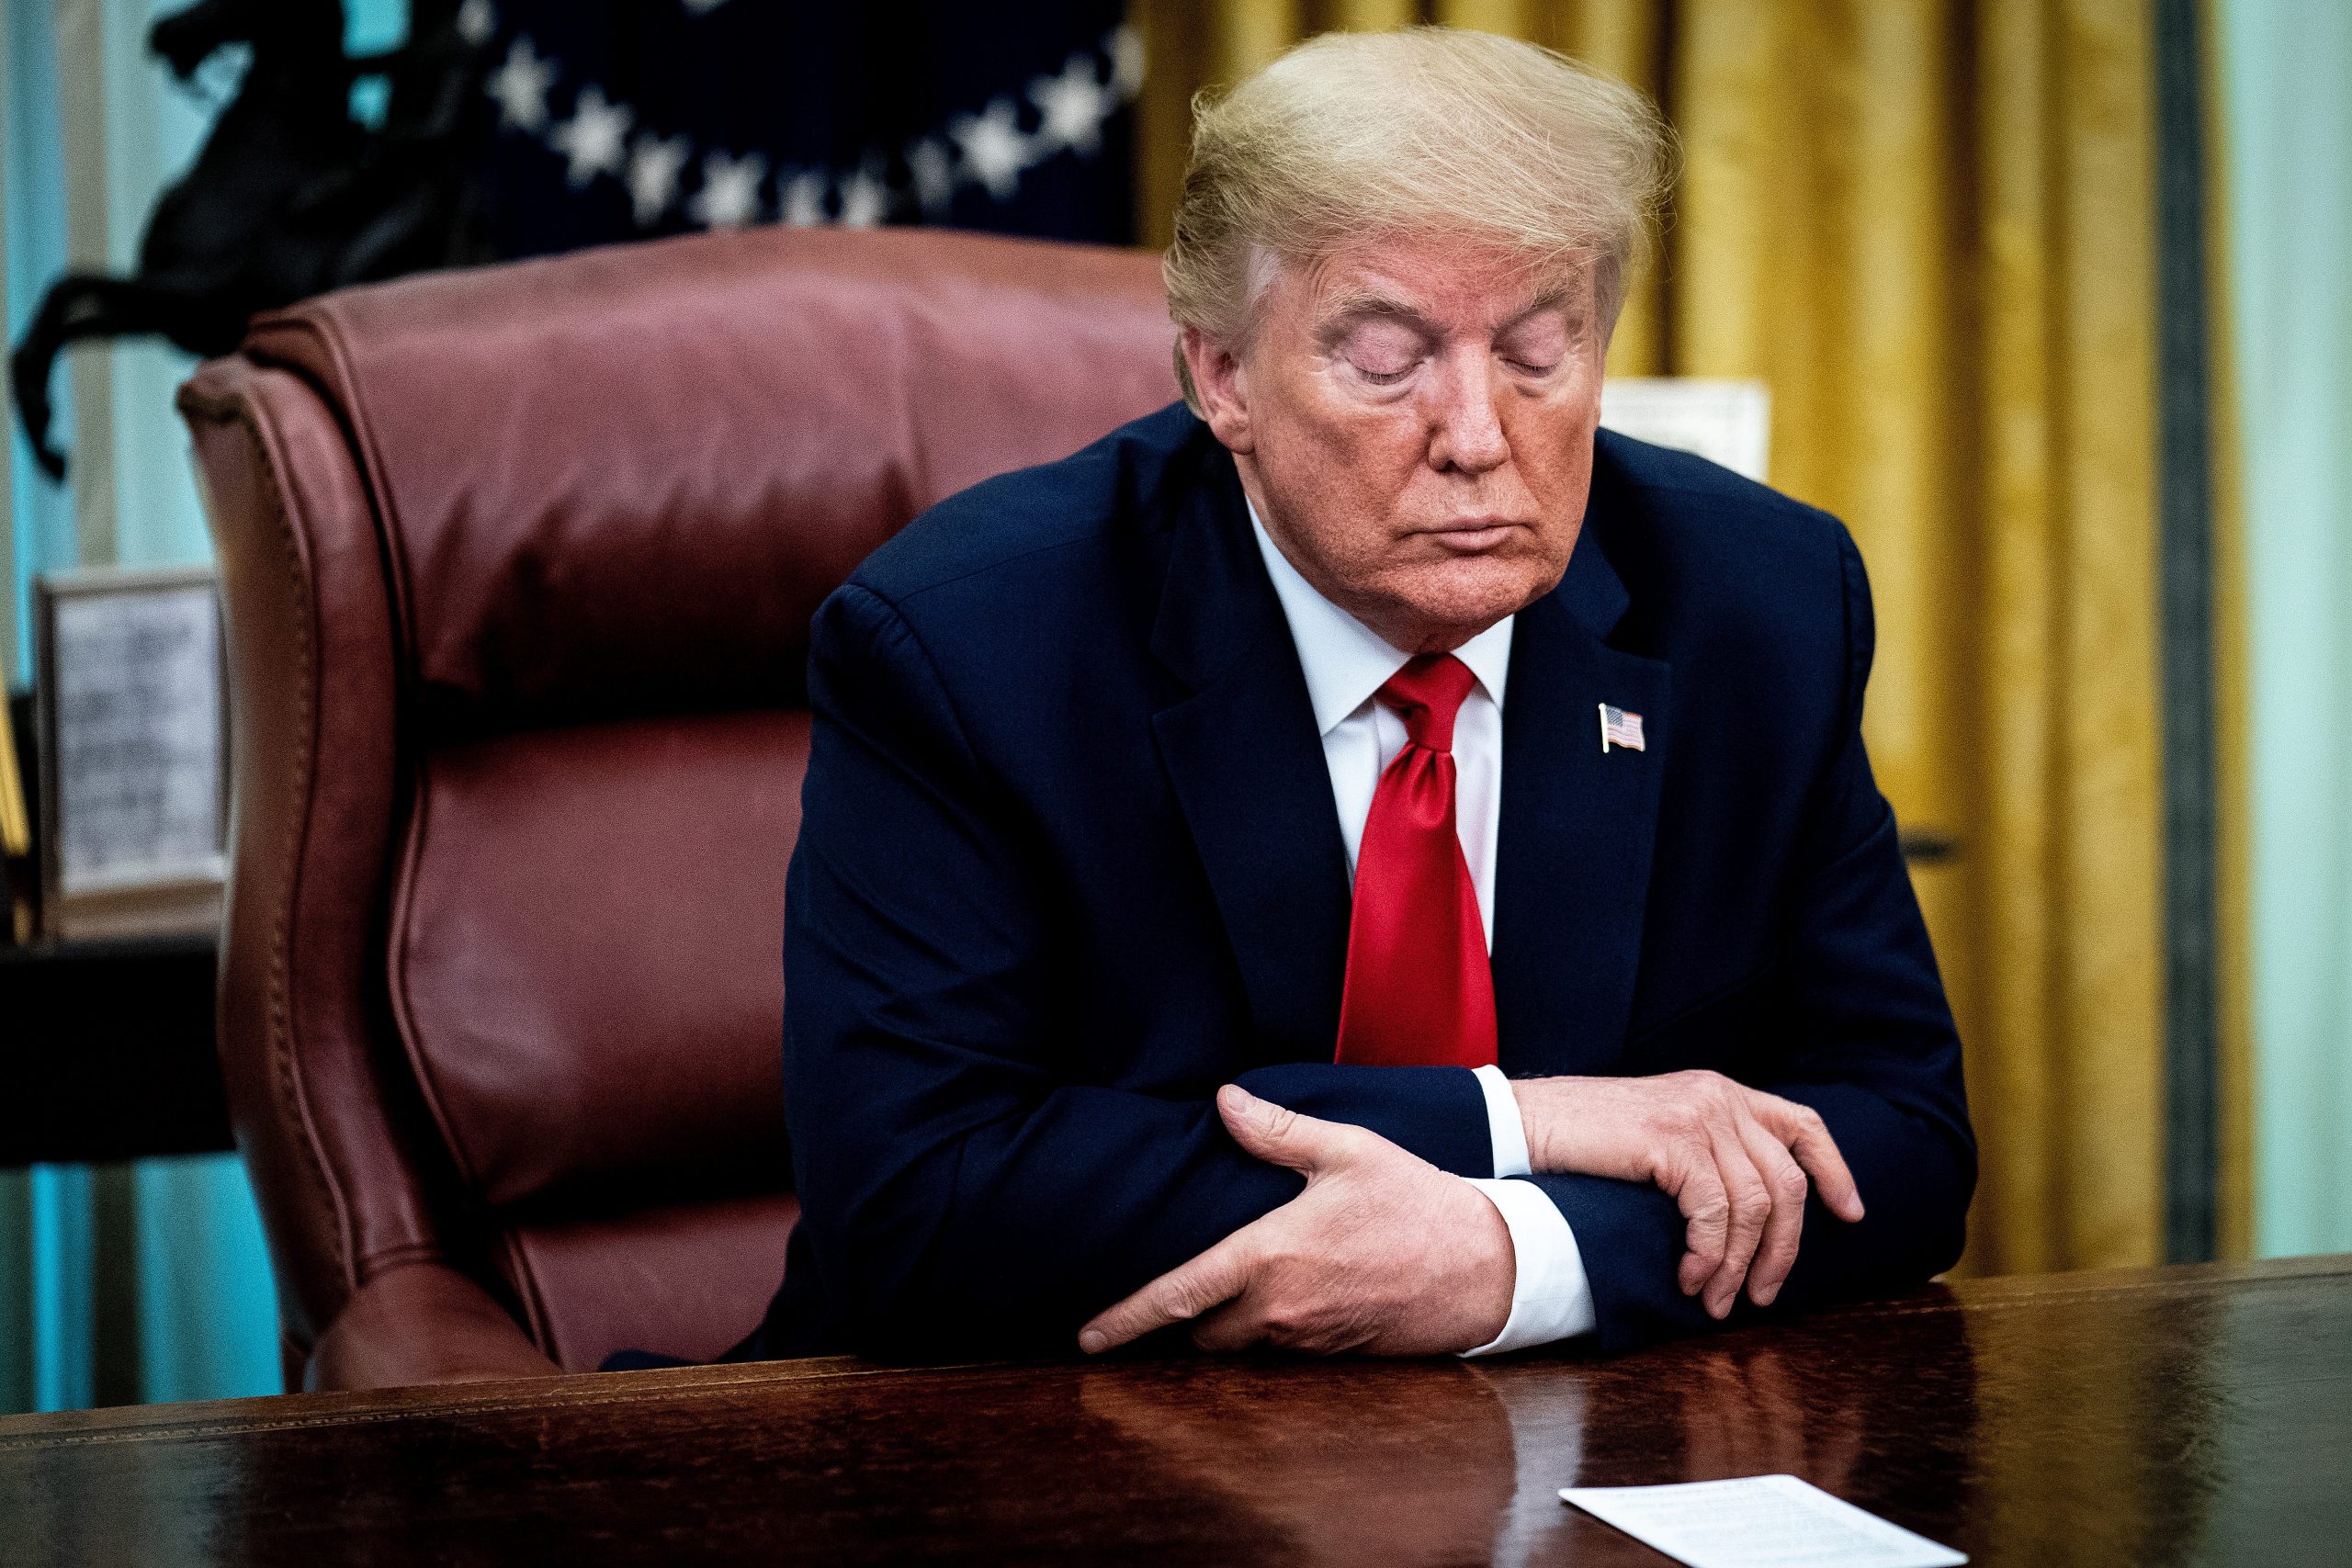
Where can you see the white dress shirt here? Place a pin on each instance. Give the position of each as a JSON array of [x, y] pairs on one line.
[[1345, 663]]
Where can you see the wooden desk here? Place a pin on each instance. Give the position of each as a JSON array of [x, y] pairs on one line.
[[2178, 1416]]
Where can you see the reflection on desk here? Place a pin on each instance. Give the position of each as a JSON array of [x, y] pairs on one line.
[[2175, 1415]]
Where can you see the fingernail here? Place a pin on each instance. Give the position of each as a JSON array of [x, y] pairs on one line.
[[1240, 1097], [1764, 1297], [1093, 1341]]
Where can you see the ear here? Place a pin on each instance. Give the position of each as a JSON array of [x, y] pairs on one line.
[[1221, 387]]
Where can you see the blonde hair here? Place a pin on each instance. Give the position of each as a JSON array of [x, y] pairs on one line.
[[1427, 131]]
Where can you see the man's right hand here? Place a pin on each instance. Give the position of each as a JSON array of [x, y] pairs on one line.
[[1734, 1158], [1382, 1254]]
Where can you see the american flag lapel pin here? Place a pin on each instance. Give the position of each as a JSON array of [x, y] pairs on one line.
[[1619, 729]]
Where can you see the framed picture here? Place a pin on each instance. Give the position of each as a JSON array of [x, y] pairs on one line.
[[133, 734], [1725, 421]]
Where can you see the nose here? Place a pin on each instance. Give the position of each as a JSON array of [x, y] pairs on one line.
[[1465, 433]]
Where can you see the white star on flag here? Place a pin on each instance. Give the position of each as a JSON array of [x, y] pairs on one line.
[[592, 140], [994, 150], [653, 169], [1125, 45], [520, 85], [1073, 105], [803, 199], [864, 199], [989, 148], [729, 197], [933, 172], [475, 21]]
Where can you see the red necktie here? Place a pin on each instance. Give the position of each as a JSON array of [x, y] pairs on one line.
[[1420, 992]]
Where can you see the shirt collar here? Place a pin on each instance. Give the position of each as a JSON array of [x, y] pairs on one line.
[[1346, 661]]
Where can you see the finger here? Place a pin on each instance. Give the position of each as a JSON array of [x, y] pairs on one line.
[[1751, 1205], [1239, 1325], [1708, 1211], [1281, 1136], [1777, 1253], [1807, 1136], [1184, 1292]]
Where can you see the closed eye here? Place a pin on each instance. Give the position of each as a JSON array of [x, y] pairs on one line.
[[1536, 345], [1383, 351]]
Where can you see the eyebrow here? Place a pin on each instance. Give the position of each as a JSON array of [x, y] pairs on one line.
[[1357, 305], [1556, 298]]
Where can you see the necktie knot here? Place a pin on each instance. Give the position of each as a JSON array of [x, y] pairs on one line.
[[1426, 695]]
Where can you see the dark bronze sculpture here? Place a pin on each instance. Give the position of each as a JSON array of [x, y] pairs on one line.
[[290, 195]]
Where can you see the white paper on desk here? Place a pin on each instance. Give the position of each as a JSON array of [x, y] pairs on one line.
[[1757, 1522]]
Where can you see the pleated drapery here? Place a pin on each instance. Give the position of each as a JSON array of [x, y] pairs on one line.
[[1928, 228]]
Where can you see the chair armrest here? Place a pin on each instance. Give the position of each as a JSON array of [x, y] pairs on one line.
[[421, 1322]]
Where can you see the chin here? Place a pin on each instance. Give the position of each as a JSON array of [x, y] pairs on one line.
[[1472, 595]]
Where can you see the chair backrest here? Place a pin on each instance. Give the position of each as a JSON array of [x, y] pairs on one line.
[[518, 567]]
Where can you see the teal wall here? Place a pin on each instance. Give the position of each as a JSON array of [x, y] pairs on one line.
[[147, 1282], [2286, 77], [32, 225]]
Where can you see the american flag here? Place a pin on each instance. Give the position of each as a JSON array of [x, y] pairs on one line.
[[1619, 729]]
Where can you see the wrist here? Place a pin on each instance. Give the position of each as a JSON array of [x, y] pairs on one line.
[[1551, 1298], [1493, 1282], [1542, 1109]]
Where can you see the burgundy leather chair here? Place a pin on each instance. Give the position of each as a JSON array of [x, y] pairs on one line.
[[518, 567]]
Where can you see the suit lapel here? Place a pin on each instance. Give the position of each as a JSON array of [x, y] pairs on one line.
[[1573, 851], [1247, 765], [1573, 857]]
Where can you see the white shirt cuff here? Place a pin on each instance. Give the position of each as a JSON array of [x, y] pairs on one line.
[[1550, 1297], [1504, 1129]]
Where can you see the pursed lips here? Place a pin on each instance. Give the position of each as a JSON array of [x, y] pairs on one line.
[[1471, 535]]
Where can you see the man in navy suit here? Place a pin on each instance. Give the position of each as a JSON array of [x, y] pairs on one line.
[[1364, 861]]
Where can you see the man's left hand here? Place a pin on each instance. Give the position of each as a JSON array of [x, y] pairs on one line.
[[1383, 1254]]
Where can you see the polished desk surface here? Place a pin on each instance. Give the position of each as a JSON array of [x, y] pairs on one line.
[[2172, 1416]]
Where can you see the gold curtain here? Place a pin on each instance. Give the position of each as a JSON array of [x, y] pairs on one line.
[[1927, 227]]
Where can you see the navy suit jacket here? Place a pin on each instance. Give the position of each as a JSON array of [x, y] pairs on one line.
[[1068, 859]]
